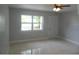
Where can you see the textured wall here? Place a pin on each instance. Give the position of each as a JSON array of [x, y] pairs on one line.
[[69, 26], [4, 29]]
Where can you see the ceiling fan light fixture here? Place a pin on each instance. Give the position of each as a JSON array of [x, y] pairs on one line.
[[56, 9]]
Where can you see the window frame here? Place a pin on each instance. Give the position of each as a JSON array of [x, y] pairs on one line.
[[32, 23]]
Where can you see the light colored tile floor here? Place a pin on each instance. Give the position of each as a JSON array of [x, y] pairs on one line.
[[54, 46]]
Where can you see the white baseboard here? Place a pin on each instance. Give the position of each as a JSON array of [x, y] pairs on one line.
[[69, 40], [72, 41], [26, 40], [44, 38]]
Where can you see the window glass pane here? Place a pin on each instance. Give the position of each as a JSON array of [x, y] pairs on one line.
[[25, 27], [36, 19], [41, 26], [36, 26], [41, 19], [26, 18]]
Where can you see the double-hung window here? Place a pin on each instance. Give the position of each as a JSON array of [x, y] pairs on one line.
[[29, 22]]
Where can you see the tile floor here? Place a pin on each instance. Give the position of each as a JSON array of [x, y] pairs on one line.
[[54, 46]]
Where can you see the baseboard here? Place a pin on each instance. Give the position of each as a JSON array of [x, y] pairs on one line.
[[69, 40], [72, 41], [27, 40], [44, 38]]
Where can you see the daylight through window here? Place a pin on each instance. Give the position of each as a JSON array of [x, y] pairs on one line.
[[29, 22]]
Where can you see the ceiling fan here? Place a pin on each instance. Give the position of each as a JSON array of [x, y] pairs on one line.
[[58, 7]]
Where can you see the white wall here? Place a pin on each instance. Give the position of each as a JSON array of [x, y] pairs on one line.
[[78, 9], [69, 26], [50, 25], [4, 29]]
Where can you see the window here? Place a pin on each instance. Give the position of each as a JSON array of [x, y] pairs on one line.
[[29, 22]]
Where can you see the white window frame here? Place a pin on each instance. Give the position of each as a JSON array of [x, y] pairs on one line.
[[33, 23]]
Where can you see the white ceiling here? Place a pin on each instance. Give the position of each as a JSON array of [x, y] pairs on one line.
[[42, 7]]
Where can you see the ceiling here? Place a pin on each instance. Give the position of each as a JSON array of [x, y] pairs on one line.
[[42, 7]]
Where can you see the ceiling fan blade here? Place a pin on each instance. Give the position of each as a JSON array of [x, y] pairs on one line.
[[66, 5]]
